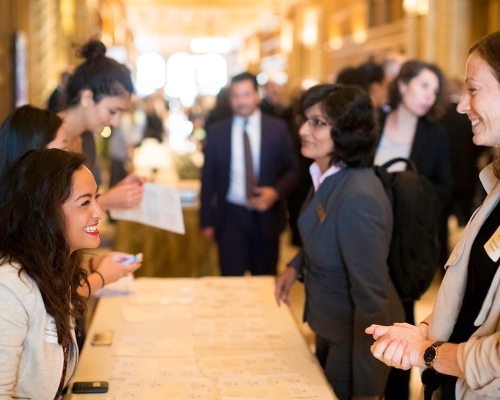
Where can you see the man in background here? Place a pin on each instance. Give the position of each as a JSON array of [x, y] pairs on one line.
[[250, 168]]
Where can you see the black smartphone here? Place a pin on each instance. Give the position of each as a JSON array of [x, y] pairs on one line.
[[90, 387]]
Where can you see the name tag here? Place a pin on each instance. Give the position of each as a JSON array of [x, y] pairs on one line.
[[50, 329], [492, 246], [321, 212]]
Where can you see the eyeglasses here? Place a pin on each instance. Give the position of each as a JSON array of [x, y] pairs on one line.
[[315, 122]]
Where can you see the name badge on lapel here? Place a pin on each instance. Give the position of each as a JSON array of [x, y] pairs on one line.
[[492, 246], [50, 329], [321, 212]]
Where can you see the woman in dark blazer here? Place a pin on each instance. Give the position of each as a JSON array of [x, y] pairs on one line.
[[346, 229], [416, 97]]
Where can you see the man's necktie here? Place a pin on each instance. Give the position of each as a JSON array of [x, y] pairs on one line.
[[249, 177]]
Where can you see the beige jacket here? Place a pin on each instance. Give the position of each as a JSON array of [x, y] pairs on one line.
[[479, 357]]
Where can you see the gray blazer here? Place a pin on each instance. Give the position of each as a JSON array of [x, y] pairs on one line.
[[30, 366], [344, 265]]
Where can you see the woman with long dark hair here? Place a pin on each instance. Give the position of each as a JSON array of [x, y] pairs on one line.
[[98, 92], [48, 212], [28, 128]]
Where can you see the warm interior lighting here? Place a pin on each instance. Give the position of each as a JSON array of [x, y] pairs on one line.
[[253, 50], [359, 24], [210, 45], [286, 37], [310, 32], [359, 36], [336, 43], [416, 7], [67, 8]]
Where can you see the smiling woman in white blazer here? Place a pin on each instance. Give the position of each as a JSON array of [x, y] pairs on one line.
[[459, 342], [48, 211]]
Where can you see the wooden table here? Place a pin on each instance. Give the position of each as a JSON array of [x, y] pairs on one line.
[[208, 338]]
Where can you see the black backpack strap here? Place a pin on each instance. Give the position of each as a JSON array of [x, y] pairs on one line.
[[410, 164]]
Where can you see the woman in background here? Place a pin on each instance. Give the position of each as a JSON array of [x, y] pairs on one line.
[[416, 97], [98, 91], [346, 230]]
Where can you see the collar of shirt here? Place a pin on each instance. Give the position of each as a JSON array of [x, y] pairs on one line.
[[253, 120], [318, 177]]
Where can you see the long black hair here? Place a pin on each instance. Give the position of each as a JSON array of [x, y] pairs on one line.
[[33, 230], [26, 128]]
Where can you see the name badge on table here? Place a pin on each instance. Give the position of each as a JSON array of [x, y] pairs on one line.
[[492, 246], [321, 212], [50, 329]]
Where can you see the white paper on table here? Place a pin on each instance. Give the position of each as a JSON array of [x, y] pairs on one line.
[[243, 365], [159, 389], [285, 387], [127, 368], [122, 287], [160, 208]]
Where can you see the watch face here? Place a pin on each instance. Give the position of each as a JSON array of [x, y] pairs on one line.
[[429, 355]]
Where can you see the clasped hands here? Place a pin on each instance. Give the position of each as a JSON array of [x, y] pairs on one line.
[[401, 345], [264, 198]]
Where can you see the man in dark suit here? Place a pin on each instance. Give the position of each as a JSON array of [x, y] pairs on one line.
[[250, 167]]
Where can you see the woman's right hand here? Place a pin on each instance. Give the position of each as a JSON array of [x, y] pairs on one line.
[[112, 268], [284, 283], [126, 194]]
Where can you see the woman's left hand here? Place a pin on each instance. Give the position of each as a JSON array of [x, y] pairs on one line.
[[400, 346]]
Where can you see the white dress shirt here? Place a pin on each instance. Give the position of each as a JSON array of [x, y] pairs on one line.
[[317, 177], [237, 189]]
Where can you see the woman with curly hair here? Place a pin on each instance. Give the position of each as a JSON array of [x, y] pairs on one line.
[[346, 229]]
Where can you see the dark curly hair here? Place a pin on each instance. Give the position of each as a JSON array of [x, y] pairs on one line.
[[33, 230], [354, 129], [102, 75], [26, 128], [410, 70]]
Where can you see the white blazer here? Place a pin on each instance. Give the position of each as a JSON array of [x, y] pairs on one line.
[[30, 363], [479, 357]]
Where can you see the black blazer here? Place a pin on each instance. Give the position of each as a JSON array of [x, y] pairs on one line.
[[430, 152], [278, 169]]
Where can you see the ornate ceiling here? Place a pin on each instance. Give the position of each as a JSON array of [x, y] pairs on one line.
[[167, 26]]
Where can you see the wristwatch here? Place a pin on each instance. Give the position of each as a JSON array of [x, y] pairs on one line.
[[430, 354]]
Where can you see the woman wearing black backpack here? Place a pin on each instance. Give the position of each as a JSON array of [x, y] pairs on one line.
[[408, 131], [346, 228]]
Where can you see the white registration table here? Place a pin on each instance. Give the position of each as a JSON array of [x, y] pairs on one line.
[[207, 338]]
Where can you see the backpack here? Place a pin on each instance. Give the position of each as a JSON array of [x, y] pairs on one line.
[[414, 250]]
